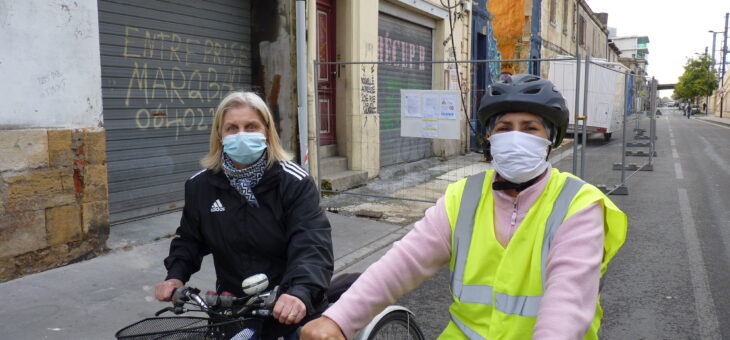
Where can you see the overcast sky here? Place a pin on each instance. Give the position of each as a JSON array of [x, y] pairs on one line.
[[676, 30]]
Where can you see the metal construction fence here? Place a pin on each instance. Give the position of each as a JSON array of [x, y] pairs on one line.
[[405, 130]]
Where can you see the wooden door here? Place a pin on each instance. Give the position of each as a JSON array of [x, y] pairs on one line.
[[327, 73]]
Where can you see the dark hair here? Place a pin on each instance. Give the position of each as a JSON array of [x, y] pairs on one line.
[[548, 126]]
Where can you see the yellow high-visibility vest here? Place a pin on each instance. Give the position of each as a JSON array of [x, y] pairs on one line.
[[496, 290]]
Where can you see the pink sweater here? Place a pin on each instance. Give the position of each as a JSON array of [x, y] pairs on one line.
[[572, 274]]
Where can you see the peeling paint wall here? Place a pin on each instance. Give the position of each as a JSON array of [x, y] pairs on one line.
[[53, 173], [49, 64], [510, 18]]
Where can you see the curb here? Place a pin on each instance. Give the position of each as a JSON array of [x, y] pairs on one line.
[[363, 252], [717, 121]]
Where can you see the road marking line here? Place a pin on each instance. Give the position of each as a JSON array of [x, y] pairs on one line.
[[678, 171], [674, 153], [704, 304], [671, 141]]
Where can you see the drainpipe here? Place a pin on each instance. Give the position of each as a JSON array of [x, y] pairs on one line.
[[302, 84]]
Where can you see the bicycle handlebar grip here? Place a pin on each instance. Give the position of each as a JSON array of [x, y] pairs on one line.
[[179, 297], [261, 312]]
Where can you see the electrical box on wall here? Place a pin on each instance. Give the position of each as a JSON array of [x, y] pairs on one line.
[[466, 5]]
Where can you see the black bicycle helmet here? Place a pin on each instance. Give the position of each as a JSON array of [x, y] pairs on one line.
[[526, 93]]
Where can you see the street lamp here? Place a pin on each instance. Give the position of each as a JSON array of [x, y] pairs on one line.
[[714, 62], [713, 46]]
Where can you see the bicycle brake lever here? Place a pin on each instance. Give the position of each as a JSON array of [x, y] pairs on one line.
[[166, 309]]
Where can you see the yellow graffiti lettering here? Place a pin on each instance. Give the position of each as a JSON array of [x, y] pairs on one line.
[[175, 46], [127, 42], [141, 81], [146, 120], [149, 45], [174, 122], [187, 48], [208, 50], [201, 126], [159, 117], [213, 84], [159, 83], [162, 36], [217, 54], [193, 94], [234, 57], [181, 85], [189, 112]]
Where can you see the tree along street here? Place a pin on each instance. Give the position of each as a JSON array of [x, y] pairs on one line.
[[669, 281]]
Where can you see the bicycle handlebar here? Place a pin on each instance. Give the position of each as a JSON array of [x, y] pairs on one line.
[[261, 304]]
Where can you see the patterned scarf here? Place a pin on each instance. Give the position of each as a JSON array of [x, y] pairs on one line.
[[243, 180]]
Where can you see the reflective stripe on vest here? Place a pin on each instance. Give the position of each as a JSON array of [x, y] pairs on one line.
[[470, 333], [517, 305]]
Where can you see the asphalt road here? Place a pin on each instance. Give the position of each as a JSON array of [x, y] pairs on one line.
[[670, 280]]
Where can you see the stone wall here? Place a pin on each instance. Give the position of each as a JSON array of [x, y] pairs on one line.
[[53, 198]]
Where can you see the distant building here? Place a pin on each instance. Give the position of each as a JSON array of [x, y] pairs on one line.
[[559, 34], [612, 32], [634, 51]]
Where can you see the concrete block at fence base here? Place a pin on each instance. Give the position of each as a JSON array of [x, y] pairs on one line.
[[619, 190], [616, 190], [629, 167], [638, 145], [645, 137], [639, 131], [344, 180], [647, 167], [639, 153]]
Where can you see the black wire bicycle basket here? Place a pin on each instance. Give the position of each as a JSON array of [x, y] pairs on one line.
[[187, 328]]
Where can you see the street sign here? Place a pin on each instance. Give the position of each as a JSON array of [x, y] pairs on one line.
[[721, 92]]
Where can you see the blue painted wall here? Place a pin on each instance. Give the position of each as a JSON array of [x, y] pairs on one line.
[[484, 47], [535, 39]]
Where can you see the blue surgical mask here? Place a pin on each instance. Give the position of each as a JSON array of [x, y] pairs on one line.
[[244, 147]]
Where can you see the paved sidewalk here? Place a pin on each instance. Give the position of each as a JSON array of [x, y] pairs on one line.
[[714, 119], [93, 299]]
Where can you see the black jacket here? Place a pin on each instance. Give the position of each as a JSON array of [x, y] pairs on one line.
[[288, 237]]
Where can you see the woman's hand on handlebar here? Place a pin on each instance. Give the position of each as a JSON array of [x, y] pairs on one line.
[[322, 328], [289, 309], [164, 290]]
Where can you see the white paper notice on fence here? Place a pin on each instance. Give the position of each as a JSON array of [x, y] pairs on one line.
[[431, 114], [412, 106], [449, 108], [431, 106]]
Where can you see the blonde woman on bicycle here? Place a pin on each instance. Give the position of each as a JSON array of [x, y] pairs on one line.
[[256, 212]]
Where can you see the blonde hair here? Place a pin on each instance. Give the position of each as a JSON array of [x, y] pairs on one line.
[[235, 100]]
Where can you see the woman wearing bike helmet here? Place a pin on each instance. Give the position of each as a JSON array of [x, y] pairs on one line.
[[256, 212], [526, 244]]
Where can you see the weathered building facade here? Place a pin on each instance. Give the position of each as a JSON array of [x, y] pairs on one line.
[[53, 172], [111, 113], [567, 23], [359, 104]]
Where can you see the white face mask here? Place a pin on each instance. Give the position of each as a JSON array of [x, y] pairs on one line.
[[518, 156]]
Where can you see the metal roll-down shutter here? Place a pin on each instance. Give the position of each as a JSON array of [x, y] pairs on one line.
[[166, 64], [401, 40]]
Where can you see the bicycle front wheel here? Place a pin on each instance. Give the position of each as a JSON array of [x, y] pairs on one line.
[[398, 325]]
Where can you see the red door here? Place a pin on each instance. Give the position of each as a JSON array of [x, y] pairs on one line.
[[327, 74]]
